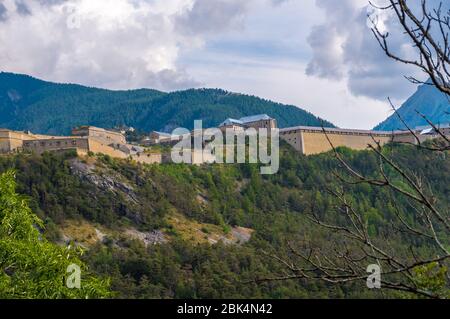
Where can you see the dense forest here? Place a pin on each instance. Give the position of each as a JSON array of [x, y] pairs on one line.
[[43, 107], [187, 206]]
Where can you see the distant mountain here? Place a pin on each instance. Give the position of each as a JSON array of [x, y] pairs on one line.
[[43, 107], [427, 100]]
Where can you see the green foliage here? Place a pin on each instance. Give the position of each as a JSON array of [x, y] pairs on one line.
[[30, 266], [432, 278], [226, 195]]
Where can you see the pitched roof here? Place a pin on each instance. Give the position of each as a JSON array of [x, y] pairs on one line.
[[430, 129], [255, 118], [230, 121], [427, 131], [162, 134], [336, 130]]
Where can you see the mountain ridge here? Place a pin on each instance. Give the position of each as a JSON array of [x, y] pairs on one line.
[[28, 103], [428, 101]]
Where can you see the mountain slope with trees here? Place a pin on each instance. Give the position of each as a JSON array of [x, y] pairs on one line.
[[118, 195], [428, 101], [43, 107]]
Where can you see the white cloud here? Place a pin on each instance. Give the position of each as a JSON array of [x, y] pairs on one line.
[[286, 82], [206, 16], [345, 49], [113, 43], [109, 43]]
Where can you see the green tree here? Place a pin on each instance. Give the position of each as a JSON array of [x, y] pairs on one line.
[[30, 266]]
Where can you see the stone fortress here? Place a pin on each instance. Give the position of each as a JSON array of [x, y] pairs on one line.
[[84, 139], [306, 140], [310, 140], [313, 140]]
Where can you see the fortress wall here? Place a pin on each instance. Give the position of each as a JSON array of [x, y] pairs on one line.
[[295, 139], [409, 138], [5, 142], [56, 144], [268, 124], [316, 142], [103, 135], [404, 138], [97, 146], [5, 146], [12, 140]]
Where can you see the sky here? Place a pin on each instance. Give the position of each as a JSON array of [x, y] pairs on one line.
[[319, 55]]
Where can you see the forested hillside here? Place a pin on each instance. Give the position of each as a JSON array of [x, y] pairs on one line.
[[178, 231], [427, 101], [27, 103]]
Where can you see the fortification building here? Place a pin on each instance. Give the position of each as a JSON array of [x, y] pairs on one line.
[[313, 140], [254, 121], [306, 140], [12, 141], [106, 136]]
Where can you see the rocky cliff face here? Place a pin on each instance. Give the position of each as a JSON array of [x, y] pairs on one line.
[[101, 178], [105, 181]]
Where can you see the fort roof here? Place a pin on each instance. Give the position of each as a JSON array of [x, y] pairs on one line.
[[424, 127], [245, 120], [49, 138], [8, 130], [255, 118], [230, 121], [335, 130], [162, 134], [95, 128]]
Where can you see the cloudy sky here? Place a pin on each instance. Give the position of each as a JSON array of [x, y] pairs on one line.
[[317, 54]]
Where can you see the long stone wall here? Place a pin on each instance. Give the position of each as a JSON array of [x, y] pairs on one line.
[[294, 138], [315, 143], [310, 141], [57, 144], [11, 141], [306, 140], [5, 142], [82, 145], [268, 124], [96, 146]]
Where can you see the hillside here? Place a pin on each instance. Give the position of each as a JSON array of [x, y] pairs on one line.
[[177, 231], [428, 101], [43, 107]]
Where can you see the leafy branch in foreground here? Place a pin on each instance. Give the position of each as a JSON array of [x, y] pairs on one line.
[[30, 266]]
